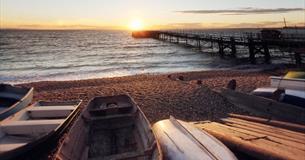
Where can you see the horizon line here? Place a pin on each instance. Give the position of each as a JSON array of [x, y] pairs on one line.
[[121, 29]]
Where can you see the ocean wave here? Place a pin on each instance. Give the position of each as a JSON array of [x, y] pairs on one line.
[[144, 46]]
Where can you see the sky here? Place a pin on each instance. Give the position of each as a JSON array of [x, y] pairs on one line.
[[149, 14]]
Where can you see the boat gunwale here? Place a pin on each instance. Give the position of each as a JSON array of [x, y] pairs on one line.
[[287, 79]]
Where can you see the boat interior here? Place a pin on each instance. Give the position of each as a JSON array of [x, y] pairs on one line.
[[110, 128], [32, 123], [10, 95]]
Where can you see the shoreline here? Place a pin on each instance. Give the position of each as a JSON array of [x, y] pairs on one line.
[[248, 68]]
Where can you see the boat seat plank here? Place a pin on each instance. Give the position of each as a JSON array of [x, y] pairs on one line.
[[50, 111], [47, 108], [30, 127], [111, 117]]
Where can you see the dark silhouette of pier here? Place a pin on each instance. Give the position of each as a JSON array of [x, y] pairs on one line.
[[259, 44]]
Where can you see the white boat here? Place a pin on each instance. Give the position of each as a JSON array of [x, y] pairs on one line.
[[292, 80], [182, 141], [13, 99], [35, 125]]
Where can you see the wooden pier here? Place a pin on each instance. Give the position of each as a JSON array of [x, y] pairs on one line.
[[227, 45]]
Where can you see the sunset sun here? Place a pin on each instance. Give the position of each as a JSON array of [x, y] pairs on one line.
[[136, 25]]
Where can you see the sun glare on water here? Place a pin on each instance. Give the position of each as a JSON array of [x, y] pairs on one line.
[[136, 25]]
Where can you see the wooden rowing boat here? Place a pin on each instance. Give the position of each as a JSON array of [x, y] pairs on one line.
[[259, 138], [180, 140], [265, 107], [110, 128], [13, 99], [34, 126]]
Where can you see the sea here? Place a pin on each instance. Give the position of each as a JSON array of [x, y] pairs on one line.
[[46, 55]]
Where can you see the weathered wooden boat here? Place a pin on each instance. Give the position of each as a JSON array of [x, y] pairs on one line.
[[259, 138], [292, 80], [110, 128], [265, 107], [13, 99], [180, 140], [34, 126]]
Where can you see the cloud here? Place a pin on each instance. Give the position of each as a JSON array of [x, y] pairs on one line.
[[179, 26], [260, 24], [244, 11], [263, 24]]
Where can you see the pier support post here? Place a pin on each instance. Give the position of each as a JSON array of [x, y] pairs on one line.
[[298, 58], [251, 51], [233, 47], [221, 47], [266, 53], [198, 44]]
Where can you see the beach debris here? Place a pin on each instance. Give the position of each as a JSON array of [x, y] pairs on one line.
[[232, 84], [199, 81], [181, 78]]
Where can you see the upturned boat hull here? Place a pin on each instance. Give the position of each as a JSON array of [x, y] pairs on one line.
[[180, 140]]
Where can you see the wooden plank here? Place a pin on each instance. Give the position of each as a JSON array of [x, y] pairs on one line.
[[256, 146], [217, 127], [285, 125], [269, 130], [269, 127], [266, 127], [274, 137]]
